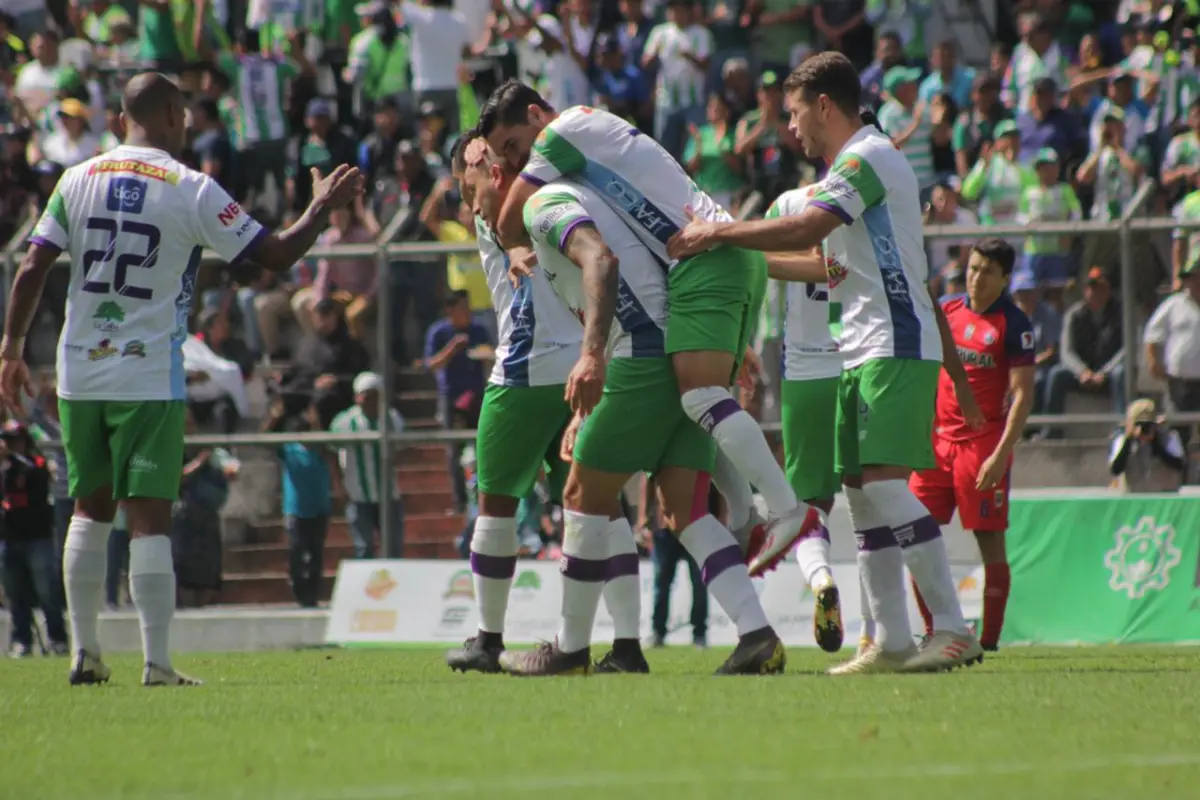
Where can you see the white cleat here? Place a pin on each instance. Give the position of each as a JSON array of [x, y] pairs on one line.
[[873, 660], [945, 650], [155, 675], [87, 669], [751, 535], [782, 534]]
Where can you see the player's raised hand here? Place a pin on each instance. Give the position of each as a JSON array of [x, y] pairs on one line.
[[339, 188], [966, 403], [585, 384], [14, 383], [566, 450], [696, 237], [521, 261]]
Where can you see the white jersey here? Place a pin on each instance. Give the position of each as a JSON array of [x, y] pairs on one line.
[[886, 309], [539, 338], [134, 222], [810, 348], [640, 321], [633, 173]]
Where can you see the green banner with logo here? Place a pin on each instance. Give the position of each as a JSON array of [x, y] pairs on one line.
[[1099, 570]]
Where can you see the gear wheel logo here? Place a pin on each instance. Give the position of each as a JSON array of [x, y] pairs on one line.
[[1142, 558]]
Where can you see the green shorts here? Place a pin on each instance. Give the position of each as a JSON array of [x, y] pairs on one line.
[[809, 440], [520, 430], [137, 447], [714, 301], [639, 425], [885, 414]]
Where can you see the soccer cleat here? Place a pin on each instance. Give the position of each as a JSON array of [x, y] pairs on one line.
[[759, 652], [59, 649], [827, 617], [19, 650], [546, 660], [155, 675], [945, 650], [87, 669], [873, 660], [864, 643], [750, 537], [475, 655], [782, 534], [630, 660]]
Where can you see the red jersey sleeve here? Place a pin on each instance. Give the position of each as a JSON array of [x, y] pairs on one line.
[[1020, 347]]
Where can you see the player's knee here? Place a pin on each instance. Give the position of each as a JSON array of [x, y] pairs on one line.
[[702, 369], [708, 406], [991, 547], [497, 505]]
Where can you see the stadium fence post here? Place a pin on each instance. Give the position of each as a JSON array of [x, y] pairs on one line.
[[1128, 306], [383, 334]]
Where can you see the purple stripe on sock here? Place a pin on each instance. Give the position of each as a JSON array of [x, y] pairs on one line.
[[919, 531], [874, 539], [497, 567], [819, 532], [622, 566], [718, 414], [585, 570], [720, 561]]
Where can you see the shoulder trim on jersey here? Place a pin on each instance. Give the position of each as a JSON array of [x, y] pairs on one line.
[[947, 300], [832, 209]]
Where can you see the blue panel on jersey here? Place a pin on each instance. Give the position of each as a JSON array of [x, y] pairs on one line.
[[127, 195], [905, 323], [183, 305], [524, 322], [621, 193], [647, 337]]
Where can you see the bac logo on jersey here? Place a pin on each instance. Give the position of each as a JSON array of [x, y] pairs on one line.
[[127, 195], [229, 214]]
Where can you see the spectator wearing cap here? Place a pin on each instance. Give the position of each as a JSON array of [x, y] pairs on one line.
[[763, 136], [36, 80], [680, 48], [1132, 113], [620, 87], [1044, 124], [998, 179], [889, 52], [360, 470], [1036, 56], [322, 145], [73, 143], [441, 40], [377, 150], [944, 209], [378, 59], [1047, 257], [1181, 163], [842, 25], [948, 76], [976, 124], [908, 124], [1047, 332], [709, 157], [27, 557], [1146, 456], [456, 350], [1172, 342], [1093, 351]]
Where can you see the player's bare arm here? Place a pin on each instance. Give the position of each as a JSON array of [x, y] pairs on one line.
[[279, 251], [22, 307], [1020, 390], [954, 368], [802, 232], [510, 227], [797, 267], [601, 272]]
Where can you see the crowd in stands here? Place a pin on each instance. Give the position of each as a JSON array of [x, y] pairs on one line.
[[1076, 105]]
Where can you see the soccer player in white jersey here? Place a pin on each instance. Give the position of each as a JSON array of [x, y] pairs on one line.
[[524, 416], [135, 222], [867, 213], [715, 296], [634, 423]]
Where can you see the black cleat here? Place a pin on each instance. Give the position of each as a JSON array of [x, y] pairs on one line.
[[759, 652], [625, 657], [827, 619], [475, 654], [87, 670], [989, 648], [546, 660]]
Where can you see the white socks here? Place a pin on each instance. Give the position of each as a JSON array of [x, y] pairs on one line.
[[622, 592], [924, 550], [152, 586], [881, 571], [812, 554], [734, 488], [721, 567], [584, 570], [85, 562], [741, 439], [493, 563]]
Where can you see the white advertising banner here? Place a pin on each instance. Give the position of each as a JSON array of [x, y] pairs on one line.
[[429, 602]]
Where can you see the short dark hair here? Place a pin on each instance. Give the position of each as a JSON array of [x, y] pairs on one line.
[[458, 156], [993, 248], [455, 297], [830, 74], [509, 105], [894, 37]]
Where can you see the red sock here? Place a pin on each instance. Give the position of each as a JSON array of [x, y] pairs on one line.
[[996, 583], [925, 615]]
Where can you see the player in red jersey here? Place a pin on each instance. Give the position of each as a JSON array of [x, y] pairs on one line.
[[995, 341]]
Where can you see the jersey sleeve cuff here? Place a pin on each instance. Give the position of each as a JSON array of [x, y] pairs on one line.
[[45, 243], [533, 180], [572, 225], [251, 245], [832, 209], [1026, 360]]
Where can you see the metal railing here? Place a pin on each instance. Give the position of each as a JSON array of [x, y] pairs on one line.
[[388, 254]]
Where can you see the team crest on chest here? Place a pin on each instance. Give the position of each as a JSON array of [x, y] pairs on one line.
[[989, 337], [969, 331]]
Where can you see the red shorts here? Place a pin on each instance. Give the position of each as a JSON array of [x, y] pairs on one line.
[[951, 484]]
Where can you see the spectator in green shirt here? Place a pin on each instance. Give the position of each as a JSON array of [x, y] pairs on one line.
[[709, 156], [160, 47]]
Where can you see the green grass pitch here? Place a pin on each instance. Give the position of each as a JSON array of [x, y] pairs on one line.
[[1029, 723]]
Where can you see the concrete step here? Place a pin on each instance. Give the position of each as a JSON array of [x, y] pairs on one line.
[[418, 405], [418, 529], [414, 478], [270, 587], [258, 559]]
